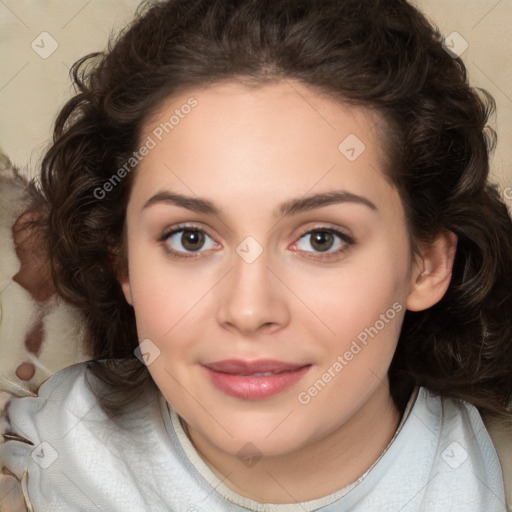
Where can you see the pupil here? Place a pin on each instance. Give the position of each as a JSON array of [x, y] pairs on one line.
[[322, 240], [192, 240]]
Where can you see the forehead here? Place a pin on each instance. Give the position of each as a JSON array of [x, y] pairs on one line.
[[287, 107], [276, 137]]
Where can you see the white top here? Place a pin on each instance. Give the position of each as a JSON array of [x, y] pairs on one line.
[[441, 459]]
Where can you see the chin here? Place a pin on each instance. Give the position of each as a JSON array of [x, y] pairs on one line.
[[268, 437]]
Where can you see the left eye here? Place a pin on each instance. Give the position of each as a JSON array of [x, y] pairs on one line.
[[323, 240], [188, 240]]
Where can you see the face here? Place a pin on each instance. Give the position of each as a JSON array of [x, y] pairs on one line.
[[269, 263]]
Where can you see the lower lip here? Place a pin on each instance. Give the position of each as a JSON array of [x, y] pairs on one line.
[[255, 388]]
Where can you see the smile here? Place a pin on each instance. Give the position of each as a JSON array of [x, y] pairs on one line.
[[254, 380]]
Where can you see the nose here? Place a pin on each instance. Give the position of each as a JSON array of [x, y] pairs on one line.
[[252, 299]]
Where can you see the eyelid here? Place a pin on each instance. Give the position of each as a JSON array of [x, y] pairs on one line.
[[336, 230], [183, 227]]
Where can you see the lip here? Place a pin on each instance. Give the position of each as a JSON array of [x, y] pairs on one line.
[[240, 378]]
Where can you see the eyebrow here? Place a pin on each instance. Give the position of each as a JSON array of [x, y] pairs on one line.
[[291, 207]]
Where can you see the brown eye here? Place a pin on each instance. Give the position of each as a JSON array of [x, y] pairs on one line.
[[192, 240], [331, 242], [183, 241], [322, 240]]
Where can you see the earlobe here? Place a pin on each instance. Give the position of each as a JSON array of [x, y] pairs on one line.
[[125, 285], [121, 269], [432, 272]]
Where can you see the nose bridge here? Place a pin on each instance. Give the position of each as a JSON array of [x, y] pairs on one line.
[[251, 295]]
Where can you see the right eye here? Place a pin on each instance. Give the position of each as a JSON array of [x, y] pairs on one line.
[[186, 241]]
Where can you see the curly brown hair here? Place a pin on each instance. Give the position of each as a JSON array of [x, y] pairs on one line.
[[380, 54]]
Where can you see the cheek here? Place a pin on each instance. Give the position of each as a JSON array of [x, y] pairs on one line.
[[155, 284], [352, 298], [360, 310], [165, 304]]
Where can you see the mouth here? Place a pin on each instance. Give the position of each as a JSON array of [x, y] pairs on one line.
[[254, 380]]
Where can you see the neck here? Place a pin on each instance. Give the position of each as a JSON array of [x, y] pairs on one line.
[[314, 470]]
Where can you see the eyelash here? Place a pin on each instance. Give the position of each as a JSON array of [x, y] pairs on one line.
[[179, 255]]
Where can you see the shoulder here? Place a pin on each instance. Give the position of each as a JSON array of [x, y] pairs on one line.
[[27, 425], [501, 435], [465, 437], [62, 440], [62, 396], [458, 422], [55, 396], [450, 412], [66, 404]]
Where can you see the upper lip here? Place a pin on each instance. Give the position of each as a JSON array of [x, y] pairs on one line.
[[240, 367]]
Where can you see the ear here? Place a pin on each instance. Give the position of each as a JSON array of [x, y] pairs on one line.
[[125, 285], [432, 272], [121, 269]]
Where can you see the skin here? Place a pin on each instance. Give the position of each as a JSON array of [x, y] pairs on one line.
[[248, 151]]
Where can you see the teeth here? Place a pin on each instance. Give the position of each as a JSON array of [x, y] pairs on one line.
[[263, 374]]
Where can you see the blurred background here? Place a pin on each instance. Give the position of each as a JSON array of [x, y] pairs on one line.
[[40, 40]]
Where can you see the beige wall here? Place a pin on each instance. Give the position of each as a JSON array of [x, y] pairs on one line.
[[32, 88], [485, 25]]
